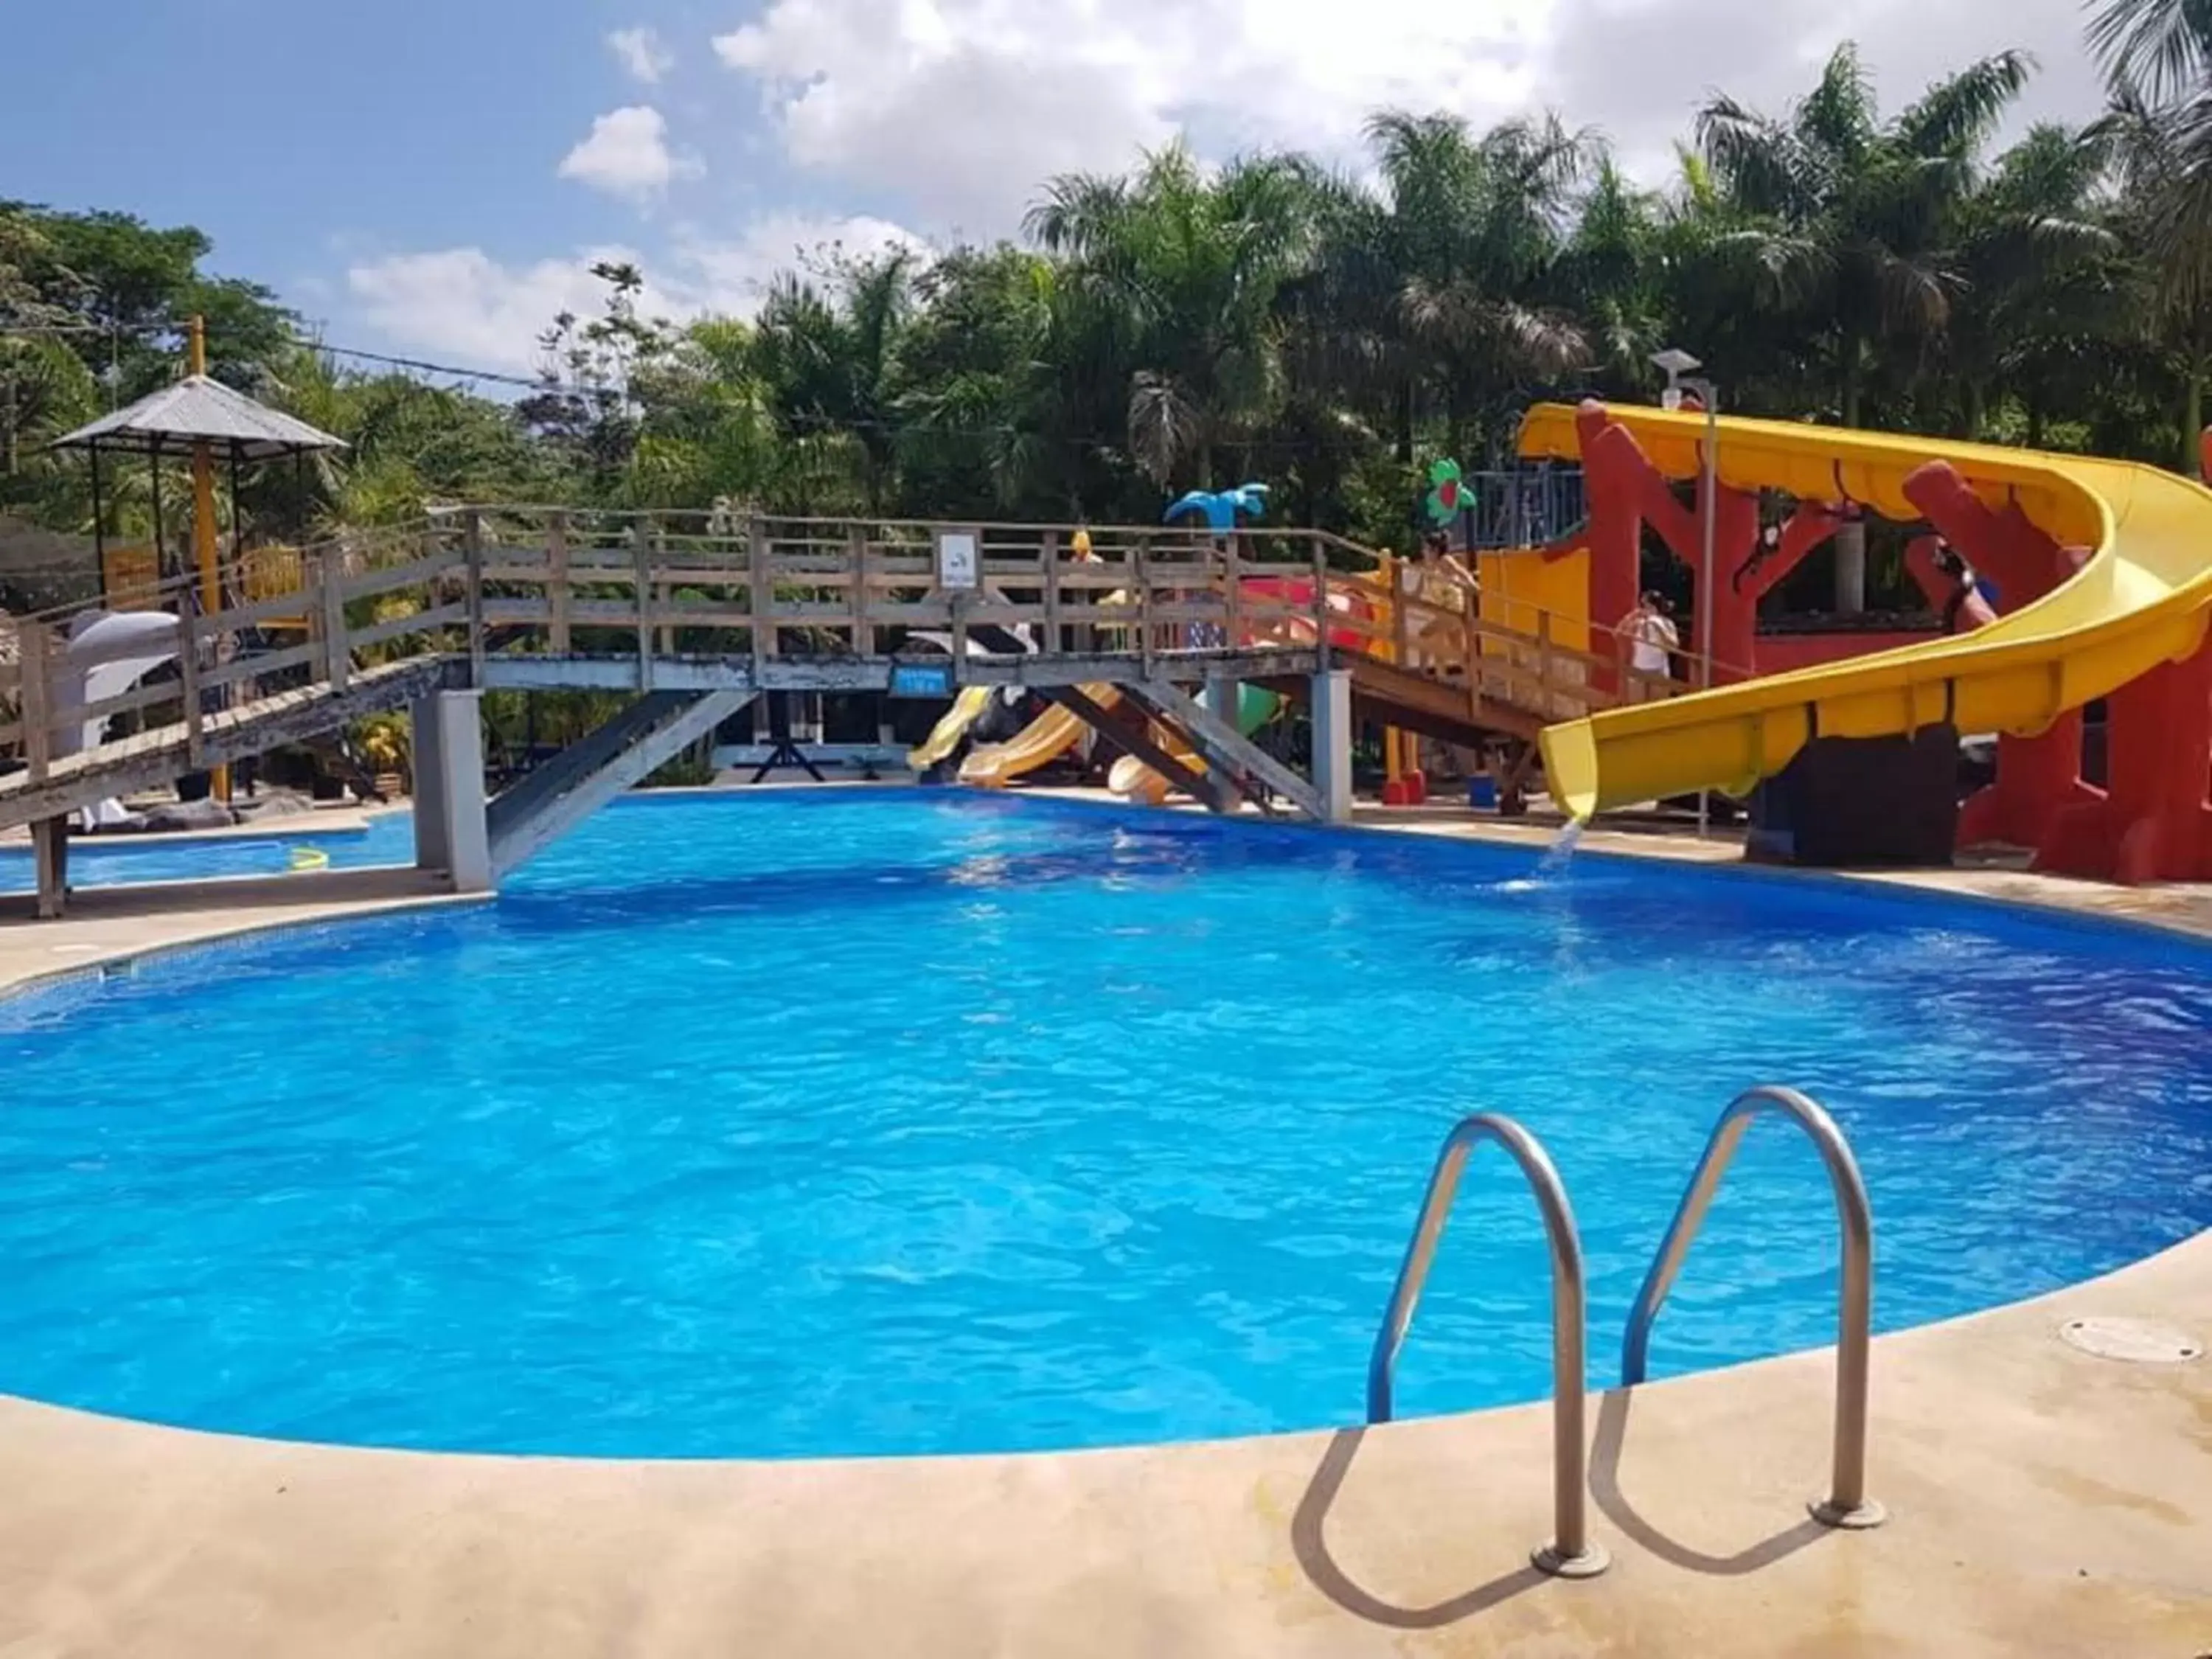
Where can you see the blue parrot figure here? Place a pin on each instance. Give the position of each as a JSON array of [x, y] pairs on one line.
[[1220, 509]]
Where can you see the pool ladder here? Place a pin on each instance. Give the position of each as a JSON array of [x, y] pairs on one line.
[[1572, 1553]]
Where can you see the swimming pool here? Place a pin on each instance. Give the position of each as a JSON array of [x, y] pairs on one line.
[[884, 1122], [134, 860]]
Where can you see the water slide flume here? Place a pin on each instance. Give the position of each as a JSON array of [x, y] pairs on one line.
[[2140, 599], [1043, 741], [944, 737], [1053, 733], [975, 701]]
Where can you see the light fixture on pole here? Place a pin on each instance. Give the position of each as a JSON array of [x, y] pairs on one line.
[[1681, 369]]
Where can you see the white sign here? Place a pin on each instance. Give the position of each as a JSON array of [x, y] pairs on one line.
[[959, 560]]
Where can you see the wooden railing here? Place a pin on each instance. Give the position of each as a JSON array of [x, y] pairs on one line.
[[489, 581]]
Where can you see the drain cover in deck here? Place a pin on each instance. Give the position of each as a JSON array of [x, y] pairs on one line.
[[2138, 1341]]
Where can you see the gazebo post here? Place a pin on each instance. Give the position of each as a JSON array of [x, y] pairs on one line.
[[154, 477], [99, 527], [237, 519], [204, 555]]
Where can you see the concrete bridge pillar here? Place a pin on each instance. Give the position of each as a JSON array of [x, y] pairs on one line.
[[1331, 743], [450, 830]]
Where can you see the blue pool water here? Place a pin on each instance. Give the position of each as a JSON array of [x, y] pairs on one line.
[[134, 860], [887, 1123]]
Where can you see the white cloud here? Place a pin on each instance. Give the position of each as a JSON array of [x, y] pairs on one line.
[[730, 278], [627, 155], [463, 305], [953, 112], [958, 108], [1663, 58], [642, 53]]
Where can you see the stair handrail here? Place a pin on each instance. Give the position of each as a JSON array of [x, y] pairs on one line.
[[1846, 1505], [1570, 1554]]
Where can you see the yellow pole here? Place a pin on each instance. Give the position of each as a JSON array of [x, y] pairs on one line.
[[203, 541], [1388, 573]]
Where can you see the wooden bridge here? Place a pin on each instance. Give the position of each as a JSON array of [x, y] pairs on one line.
[[698, 614]]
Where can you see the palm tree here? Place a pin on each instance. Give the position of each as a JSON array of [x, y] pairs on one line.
[[2162, 47], [982, 413], [1473, 231], [2162, 171], [2047, 280], [1185, 270], [1613, 274], [1853, 222], [2158, 57], [1851, 233], [829, 360]]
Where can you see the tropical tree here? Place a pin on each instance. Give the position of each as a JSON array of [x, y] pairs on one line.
[[1852, 229], [1183, 270], [1472, 229], [827, 353], [2045, 283]]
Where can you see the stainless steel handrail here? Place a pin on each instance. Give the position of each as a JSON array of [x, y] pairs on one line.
[[1570, 1554], [1846, 1503]]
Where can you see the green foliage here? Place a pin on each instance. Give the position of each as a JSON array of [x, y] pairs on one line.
[[1181, 325]]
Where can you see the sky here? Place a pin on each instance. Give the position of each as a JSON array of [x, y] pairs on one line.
[[435, 177]]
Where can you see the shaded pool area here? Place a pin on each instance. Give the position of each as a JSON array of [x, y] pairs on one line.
[[888, 1122]]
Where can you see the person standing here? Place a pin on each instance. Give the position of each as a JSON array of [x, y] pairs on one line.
[[1652, 640]]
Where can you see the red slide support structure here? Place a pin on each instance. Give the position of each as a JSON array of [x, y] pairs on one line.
[[2154, 821], [1625, 492], [2037, 777]]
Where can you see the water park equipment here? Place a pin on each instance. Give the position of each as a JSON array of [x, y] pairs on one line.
[[973, 702], [104, 655], [1134, 778], [1059, 728], [970, 706], [1039, 743], [204, 418], [2106, 585], [1221, 509]]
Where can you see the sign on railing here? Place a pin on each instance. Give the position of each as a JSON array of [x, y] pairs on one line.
[[959, 561], [922, 679]]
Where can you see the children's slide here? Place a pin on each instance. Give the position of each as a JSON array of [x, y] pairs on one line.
[[1040, 742], [1133, 779], [967, 708], [2142, 598]]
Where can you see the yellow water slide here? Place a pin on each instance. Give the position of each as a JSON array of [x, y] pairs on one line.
[[967, 708], [2142, 597], [1040, 742]]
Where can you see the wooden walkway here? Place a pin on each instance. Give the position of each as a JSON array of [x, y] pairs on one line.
[[530, 599]]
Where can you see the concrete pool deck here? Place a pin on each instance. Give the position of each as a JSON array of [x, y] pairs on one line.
[[2043, 1500]]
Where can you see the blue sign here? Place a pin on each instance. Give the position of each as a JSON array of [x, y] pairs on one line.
[[922, 679]]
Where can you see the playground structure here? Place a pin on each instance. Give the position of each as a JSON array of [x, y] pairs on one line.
[[2062, 580], [2104, 584], [697, 616], [1171, 645]]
